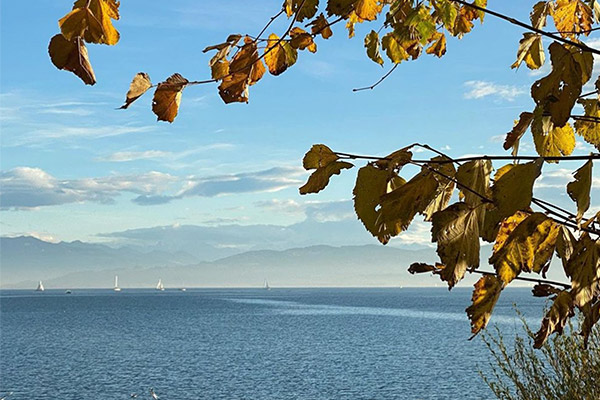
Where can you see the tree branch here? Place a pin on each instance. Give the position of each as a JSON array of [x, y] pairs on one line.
[[373, 86], [513, 21], [522, 278]]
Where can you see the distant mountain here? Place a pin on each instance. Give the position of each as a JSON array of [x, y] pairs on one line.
[[371, 265], [25, 258]]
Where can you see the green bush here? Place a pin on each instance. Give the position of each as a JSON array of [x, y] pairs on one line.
[[562, 369]]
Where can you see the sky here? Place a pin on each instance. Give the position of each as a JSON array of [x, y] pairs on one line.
[[73, 167]]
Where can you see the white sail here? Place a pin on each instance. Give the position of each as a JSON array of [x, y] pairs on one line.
[[266, 286], [159, 285], [40, 287], [117, 288]]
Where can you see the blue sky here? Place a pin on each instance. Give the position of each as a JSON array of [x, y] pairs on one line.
[[73, 167]]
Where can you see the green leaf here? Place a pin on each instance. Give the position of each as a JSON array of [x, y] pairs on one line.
[[319, 179], [456, 231], [579, 189]]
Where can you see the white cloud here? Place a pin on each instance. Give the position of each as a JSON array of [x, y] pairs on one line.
[[122, 156], [481, 89], [319, 211]]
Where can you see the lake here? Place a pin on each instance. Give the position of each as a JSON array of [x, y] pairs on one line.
[[408, 343]]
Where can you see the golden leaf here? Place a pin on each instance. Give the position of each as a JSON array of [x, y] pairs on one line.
[[139, 85], [445, 187], [557, 92], [572, 17], [393, 48], [372, 46], [531, 51], [318, 156], [579, 189], [456, 231], [540, 12], [371, 184], [544, 290], [507, 226], [244, 69], [556, 318], [80, 22], [420, 268], [550, 140], [565, 246], [396, 160], [219, 69], [476, 176], [513, 190], [279, 55], [167, 97], [590, 130], [341, 8], [528, 248], [367, 10], [320, 26], [319, 179], [438, 44], [300, 39], [592, 316], [518, 130], [304, 9], [584, 266], [485, 295], [71, 56], [105, 11]]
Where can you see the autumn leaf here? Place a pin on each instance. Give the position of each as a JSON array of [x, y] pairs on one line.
[[557, 92], [396, 160], [71, 56], [544, 290], [393, 48], [507, 226], [318, 156], [456, 231], [527, 248], [279, 55], [420, 268], [556, 318], [513, 137], [572, 17], [92, 20], [319, 179], [366, 10], [485, 295], [579, 189], [565, 247], [514, 189], [443, 172], [551, 140], [438, 44], [591, 317], [167, 97], [540, 12], [372, 46], [320, 26], [139, 85], [300, 39], [304, 9], [340, 8], [474, 175], [589, 129], [244, 70], [584, 267], [105, 11], [531, 51], [446, 11]]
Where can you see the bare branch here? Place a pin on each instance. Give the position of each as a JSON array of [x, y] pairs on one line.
[[373, 86]]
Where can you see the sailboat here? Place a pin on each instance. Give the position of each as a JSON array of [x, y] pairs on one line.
[[266, 286], [117, 288], [40, 287], [159, 285]]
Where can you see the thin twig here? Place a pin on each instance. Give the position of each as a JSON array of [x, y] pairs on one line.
[[588, 94], [273, 18], [513, 21], [373, 86], [593, 156], [522, 278]]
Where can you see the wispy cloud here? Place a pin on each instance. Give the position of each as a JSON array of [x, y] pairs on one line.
[[320, 211], [123, 156], [481, 89]]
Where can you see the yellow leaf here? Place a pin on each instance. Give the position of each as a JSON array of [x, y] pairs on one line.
[[80, 22], [456, 231], [320, 26], [572, 17], [279, 55], [528, 248], [219, 69], [319, 179], [300, 39], [463, 22], [396, 160], [372, 46], [318, 156], [541, 10], [556, 319], [340, 8], [518, 130], [557, 92], [485, 295], [476, 176], [139, 85], [105, 11], [565, 246], [244, 69], [514, 189], [368, 10], [371, 184], [167, 97], [592, 316], [507, 226], [550, 140], [531, 51], [71, 56], [590, 130], [304, 9], [393, 48], [438, 44], [445, 187], [579, 189], [584, 266]]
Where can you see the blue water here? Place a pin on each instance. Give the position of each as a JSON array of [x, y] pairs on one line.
[[247, 344]]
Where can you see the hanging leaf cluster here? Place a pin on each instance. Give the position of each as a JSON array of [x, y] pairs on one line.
[[496, 209], [90, 21]]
